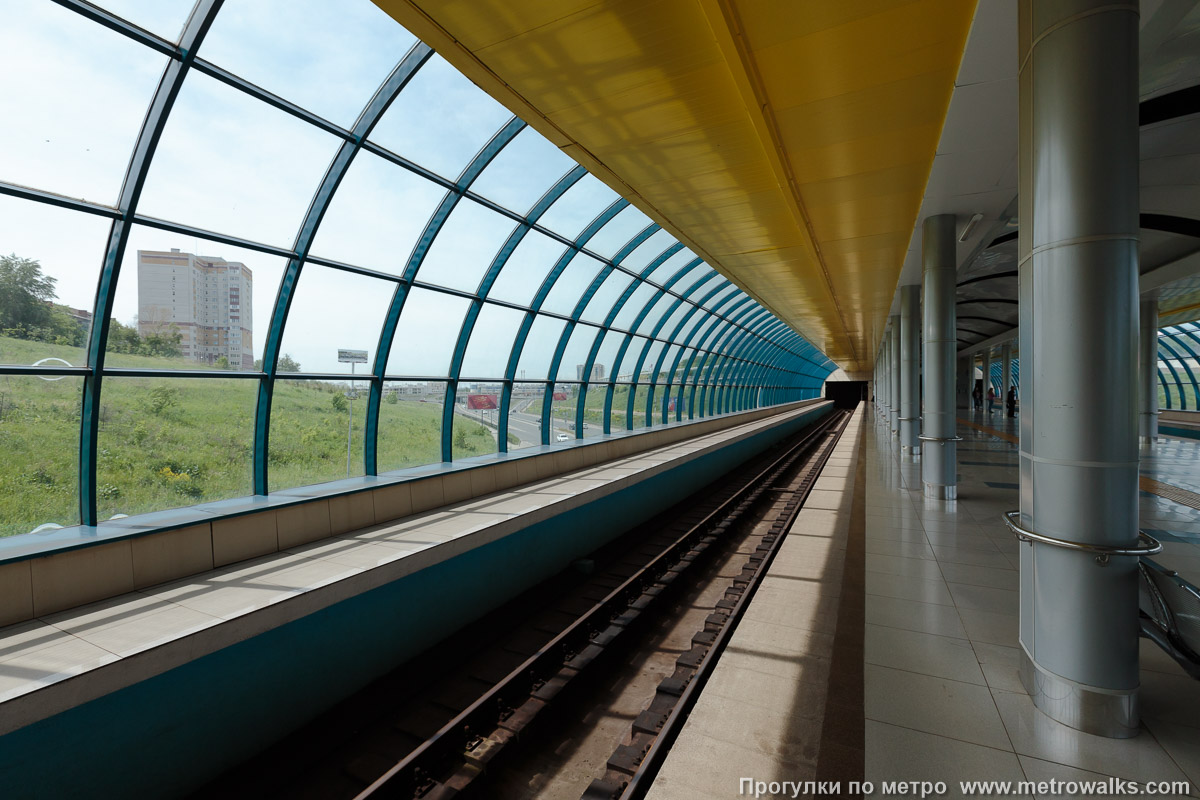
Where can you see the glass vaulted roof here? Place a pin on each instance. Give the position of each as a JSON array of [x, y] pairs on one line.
[[258, 245]]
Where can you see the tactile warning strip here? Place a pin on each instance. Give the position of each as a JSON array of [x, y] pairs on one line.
[[1172, 493]]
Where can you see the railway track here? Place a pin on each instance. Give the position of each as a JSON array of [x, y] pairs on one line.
[[448, 726]]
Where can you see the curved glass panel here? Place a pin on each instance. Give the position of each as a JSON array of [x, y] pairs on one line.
[[523, 171], [164, 17], [327, 57], [607, 354], [576, 353], [628, 223], [690, 278], [316, 431], [427, 333], [440, 120], [608, 293], [171, 442], [376, 215], [475, 422], [634, 306], [491, 341], [334, 310], [539, 348], [663, 273], [646, 375], [571, 284], [649, 250], [578, 206], [189, 303], [656, 313], [79, 108], [229, 163], [526, 268], [720, 297], [410, 424], [463, 249], [47, 281], [525, 415], [629, 364]]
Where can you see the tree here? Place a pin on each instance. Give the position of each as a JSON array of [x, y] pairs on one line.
[[164, 344], [288, 364], [222, 362], [123, 338], [26, 295]]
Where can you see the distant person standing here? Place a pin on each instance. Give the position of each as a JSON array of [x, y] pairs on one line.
[[991, 400], [1011, 401], [977, 397]]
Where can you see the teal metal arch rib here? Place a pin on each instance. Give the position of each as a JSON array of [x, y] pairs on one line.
[[433, 227], [653, 336], [573, 320], [169, 84], [729, 357], [375, 108], [700, 329], [714, 332], [619, 360], [535, 305], [613, 313], [721, 345], [485, 287]]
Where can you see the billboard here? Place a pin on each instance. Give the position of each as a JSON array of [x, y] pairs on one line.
[[560, 395], [481, 402], [352, 356]]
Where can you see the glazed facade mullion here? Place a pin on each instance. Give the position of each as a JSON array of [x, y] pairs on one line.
[[703, 344], [738, 313], [577, 312]]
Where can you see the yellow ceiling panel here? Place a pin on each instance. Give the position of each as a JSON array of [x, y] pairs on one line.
[[787, 143]]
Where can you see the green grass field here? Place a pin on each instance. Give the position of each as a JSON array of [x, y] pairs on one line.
[[170, 442]]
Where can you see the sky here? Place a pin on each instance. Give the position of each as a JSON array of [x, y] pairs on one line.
[[230, 163]]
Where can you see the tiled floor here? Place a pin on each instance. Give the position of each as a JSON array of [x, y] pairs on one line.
[[943, 701]]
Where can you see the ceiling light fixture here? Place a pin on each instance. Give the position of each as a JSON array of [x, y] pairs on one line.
[[970, 228]]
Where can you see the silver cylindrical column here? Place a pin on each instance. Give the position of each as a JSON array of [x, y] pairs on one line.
[[894, 352], [939, 477], [1148, 372], [1078, 267], [1006, 379], [910, 369], [887, 376]]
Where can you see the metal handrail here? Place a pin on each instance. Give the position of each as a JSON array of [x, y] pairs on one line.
[[1147, 544], [925, 438]]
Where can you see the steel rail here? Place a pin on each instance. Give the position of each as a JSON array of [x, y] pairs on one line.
[[541, 673]]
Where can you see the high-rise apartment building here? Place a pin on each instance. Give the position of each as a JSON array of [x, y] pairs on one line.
[[597, 373], [209, 300]]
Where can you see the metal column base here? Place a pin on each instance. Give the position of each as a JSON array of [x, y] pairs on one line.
[[1102, 712], [936, 491], [1146, 441]]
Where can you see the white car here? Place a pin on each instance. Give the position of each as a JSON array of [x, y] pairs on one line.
[[562, 437]]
